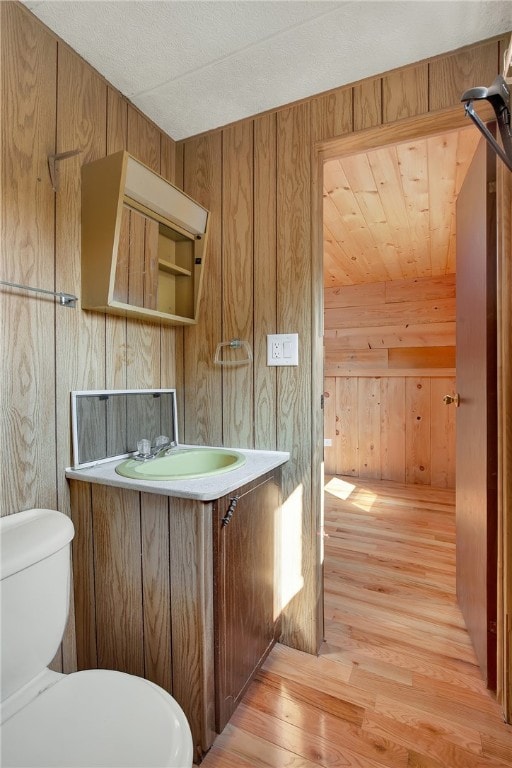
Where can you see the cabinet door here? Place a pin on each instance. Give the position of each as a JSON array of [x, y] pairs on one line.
[[244, 579]]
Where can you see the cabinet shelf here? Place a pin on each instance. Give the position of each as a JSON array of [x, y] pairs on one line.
[[173, 269]]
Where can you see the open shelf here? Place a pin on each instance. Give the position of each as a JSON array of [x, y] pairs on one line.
[[173, 269]]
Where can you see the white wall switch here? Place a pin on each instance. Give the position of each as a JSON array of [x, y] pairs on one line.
[[283, 349]]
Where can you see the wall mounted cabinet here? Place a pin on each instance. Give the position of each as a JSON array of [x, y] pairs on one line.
[[143, 243]]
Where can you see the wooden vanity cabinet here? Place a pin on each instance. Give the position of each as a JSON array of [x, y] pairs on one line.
[[163, 590], [245, 605], [143, 588]]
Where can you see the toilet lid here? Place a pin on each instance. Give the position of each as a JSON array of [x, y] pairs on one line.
[[99, 719]]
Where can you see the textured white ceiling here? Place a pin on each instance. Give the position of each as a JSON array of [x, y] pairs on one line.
[[194, 65]]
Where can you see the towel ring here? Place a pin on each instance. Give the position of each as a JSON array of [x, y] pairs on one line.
[[233, 344]]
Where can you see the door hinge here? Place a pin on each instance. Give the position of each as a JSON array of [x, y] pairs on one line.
[[322, 402], [493, 628], [491, 187]]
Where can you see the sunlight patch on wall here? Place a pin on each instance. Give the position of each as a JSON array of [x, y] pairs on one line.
[[290, 538]]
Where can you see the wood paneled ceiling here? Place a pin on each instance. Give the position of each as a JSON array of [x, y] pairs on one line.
[[389, 213]]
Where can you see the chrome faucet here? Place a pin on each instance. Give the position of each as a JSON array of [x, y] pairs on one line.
[[147, 452]]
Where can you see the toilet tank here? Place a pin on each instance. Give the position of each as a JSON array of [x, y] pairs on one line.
[[35, 584]]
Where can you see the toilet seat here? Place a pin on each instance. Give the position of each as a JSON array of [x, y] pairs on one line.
[[99, 719]]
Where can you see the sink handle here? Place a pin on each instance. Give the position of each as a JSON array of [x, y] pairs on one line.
[[144, 448], [162, 441]]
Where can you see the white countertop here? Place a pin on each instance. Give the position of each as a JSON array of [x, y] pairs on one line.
[[201, 488]]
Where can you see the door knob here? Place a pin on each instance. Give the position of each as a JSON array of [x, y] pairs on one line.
[[449, 399]]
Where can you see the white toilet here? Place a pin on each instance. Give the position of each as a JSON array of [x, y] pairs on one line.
[[94, 719]]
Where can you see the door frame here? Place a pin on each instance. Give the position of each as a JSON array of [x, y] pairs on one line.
[[407, 130]]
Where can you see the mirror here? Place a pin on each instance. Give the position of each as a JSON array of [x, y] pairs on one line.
[[107, 424]]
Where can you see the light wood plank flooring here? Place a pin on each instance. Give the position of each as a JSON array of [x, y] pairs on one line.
[[396, 683]]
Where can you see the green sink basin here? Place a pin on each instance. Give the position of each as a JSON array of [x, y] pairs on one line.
[[183, 464]]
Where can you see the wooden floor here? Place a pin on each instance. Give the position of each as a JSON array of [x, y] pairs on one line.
[[396, 683]]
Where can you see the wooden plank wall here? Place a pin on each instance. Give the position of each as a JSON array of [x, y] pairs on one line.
[[255, 177], [390, 328], [257, 213], [52, 101], [391, 429], [389, 359]]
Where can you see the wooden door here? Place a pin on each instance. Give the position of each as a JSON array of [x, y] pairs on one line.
[[476, 473]]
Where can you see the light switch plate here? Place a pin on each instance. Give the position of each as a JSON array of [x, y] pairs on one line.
[[283, 349]]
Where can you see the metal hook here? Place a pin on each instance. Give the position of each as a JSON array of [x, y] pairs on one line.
[[498, 96], [52, 165]]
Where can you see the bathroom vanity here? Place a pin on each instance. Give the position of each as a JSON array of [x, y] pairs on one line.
[[177, 581]]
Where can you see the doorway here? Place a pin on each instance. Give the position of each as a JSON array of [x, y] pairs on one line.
[[373, 140], [389, 320]]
